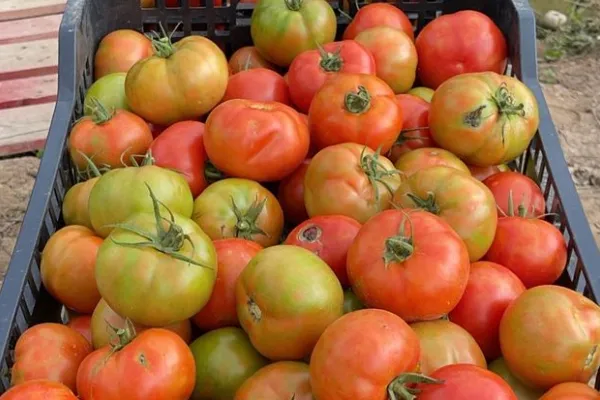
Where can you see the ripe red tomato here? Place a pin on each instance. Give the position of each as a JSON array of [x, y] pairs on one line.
[[372, 346], [394, 256], [258, 84], [329, 237], [181, 147], [527, 197], [119, 51], [415, 112], [232, 255], [254, 140], [571, 391], [379, 14], [454, 44], [465, 381], [425, 157], [82, 324], [40, 389], [481, 173], [533, 249], [491, 288], [49, 351], [311, 69], [68, 267], [550, 335], [291, 194], [355, 108], [246, 58], [280, 380]]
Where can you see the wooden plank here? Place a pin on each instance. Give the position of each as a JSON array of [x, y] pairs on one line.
[[19, 9], [28, 91], [26, 30], [22, 60], [24, 129]]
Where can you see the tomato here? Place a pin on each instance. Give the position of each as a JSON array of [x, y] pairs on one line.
[[246, 58], [536, 351], [258, 84], [108, 138], [122, 192], [49, 351], [491, 288], [104, 319], [351, 302], [394, 256], [515, 191], [290, 194], [355, 108], [68, 265], [481, 173], [224, 359], [255, 140], [533, 249], [311, 69], [425, 157], [232, 255], [423, 93], [464, 202], [371, 346], [571, 391], [484, 118], [109, 90], [119, 51], [415, 113], [349, 179], [75, 204], [181, 81], [395, 56], [284, 321], [282, 29], [329, 237], [465, 381], [445, 343], [82, 324], [40, 389], [156, 364], [379, 14], [459, 43], [181, 147], [280, 380], [522, 391], [239, 208]]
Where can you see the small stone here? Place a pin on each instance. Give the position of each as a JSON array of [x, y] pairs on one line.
[[553, 20]]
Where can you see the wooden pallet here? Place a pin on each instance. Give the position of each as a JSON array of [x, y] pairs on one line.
[[28, 72]]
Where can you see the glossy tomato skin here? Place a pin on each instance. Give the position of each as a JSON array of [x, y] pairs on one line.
[[82, 324], [49, 351], [181, 147], [379, 14], [258, 84], [425, 157], [311, 69], [224, 359], [75, 204], [539, 354], [256, 140], [280, 380], [495, 117], [232, 255], [374, 346], [491, 288], [533, 249], [290, 194], [463, 42], [109, 90], [329, 237], [422, 92], [525, 193], [239, 208], [415, 112], [119, 51], [40, 389], [246, 58], [571, 391], [482, 173], [522, 391], [355, 108], [155, 365], [68, 266], [384, 277], [281, 30], [280, 326]]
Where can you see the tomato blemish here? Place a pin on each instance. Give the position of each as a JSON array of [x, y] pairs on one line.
[[311, 233]]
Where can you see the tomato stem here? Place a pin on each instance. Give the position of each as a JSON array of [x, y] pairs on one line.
[[506, 103], [92, 169], [294, 5], [376, 172], [330, 62], [211, 173], [246, 225], [397, 389], [100, 114], [429, 204], [359, 102], [124, 335], [163, 45], [399, 248]]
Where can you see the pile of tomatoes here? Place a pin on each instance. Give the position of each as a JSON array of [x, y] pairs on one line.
[[301, 222]]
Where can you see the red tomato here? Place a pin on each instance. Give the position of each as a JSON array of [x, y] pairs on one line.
[[454, 44], [291, 194], [232, 255], [426, 157], [280, 380], [119, 50], [491, 288], [416, 115], [527, 197], [355, 108], [571, 391], [156, 130], [49, 351], [258, 84], [329, 237], [372, 346], [379, 14], [181, 147], [481, 173], [465, 381], [394, 256], [311, 69], [246, 58], [254, 140], [39, 389], [82, 324]]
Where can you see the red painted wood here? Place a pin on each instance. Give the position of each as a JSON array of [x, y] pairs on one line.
[[21, 9], [28, 91], [30, 29]]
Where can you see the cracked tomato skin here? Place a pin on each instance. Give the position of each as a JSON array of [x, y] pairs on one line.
[[39, 389], [157, 364], [571, 391], [379, 14], [280, 380], [215, 212]]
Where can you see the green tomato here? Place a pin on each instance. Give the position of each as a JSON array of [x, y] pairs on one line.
[[109, 90], [522, 391], [225, 359], [422, 92], [351, 302]]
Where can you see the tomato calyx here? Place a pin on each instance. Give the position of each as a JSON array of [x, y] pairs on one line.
[[398, 390], [330, 62], [429, 204], [246, 226], [92, 170], [357, 102], [403, 137], [124, 335], [100, 113], [163, 45], [294, 5], [376, 172], [506, 103], [399, 248]]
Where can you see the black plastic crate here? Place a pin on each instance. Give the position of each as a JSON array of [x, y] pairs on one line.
[[24, 302]]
